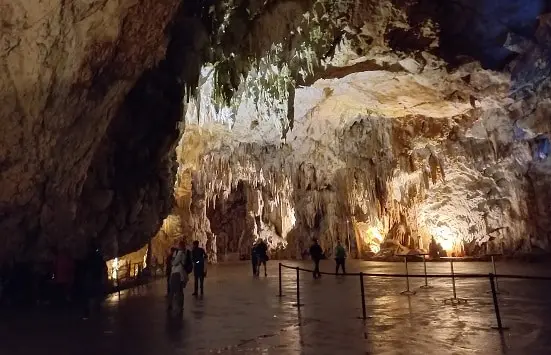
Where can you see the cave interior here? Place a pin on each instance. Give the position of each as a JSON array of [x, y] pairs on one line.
[[383, 124]]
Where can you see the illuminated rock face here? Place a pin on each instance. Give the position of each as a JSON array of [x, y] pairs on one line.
[[409, 154], [91, 97]]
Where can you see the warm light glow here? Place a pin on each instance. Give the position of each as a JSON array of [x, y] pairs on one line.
[[145, 258], [115, 268], [292, 217], [375, 247], [444, 236], [374, 239], [374, 234]]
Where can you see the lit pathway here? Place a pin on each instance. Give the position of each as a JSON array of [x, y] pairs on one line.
[[242, 315]]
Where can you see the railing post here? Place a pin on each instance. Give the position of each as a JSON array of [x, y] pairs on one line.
[[364, 315], [298, 287], [496, 304], [280, 285], [426, 285], [118, 284], [454, 300], [407, 291], [495, 273], [298, 304], [453, 280]]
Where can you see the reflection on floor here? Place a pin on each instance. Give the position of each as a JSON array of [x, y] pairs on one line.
[[240, 314]]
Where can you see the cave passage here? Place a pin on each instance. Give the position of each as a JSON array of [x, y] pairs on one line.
[[240, 314], [390, 127]]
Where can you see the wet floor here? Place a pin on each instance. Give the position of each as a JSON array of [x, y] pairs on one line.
[[243, 315]]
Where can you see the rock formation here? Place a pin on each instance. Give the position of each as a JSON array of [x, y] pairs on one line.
[[388, 149], [318, 118], [72, 138]]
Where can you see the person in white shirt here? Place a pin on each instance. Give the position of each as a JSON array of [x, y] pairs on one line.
[[181, 267]]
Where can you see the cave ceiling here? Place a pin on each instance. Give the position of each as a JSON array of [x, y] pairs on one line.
[[96, 95]]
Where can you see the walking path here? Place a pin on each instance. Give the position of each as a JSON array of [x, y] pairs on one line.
[[243, 315]]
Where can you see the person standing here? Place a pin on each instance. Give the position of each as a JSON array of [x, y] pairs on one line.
[[63, 276], [316, 253], [168, 268], [95, 277], [340, 258], [254, 259], [262, 251], [199, 257], [181, 268]]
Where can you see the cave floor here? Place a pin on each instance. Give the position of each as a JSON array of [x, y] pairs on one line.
[[242, 315]]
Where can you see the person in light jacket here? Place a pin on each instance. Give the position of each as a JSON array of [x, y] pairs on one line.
[[181, 268], [168, 269]]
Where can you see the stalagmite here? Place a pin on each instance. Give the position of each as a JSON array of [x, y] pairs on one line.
[[388, 148]]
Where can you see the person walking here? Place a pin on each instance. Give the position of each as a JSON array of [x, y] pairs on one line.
[[316, 253], [199, 257], [340, 258], [262, 251], [168, 268], [181, 268], [95, 278], [254, 259], [63, 276]]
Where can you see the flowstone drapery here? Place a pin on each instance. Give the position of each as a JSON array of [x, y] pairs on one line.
[[334, 113], [383, 161]]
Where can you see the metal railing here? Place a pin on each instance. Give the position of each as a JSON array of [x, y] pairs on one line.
[[132, 274], [492, 277]]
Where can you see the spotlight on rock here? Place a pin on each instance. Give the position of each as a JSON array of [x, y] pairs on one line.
[[446, 237]]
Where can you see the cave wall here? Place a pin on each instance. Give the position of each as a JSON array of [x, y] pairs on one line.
[[64, 73], [91, 96], [426, 159]]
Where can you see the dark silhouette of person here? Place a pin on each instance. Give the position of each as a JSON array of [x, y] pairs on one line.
[[95, 277], [340, 258], [63, 276], [4, 274], [316, 253], [199, 257], [168, 268], [435, 250], [254, 259], [262, 254]]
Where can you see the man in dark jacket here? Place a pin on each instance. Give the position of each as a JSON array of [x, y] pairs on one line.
[[254, 259], [199, 257], [95, 277], [262, 254], [316, 253], [340, 258]]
